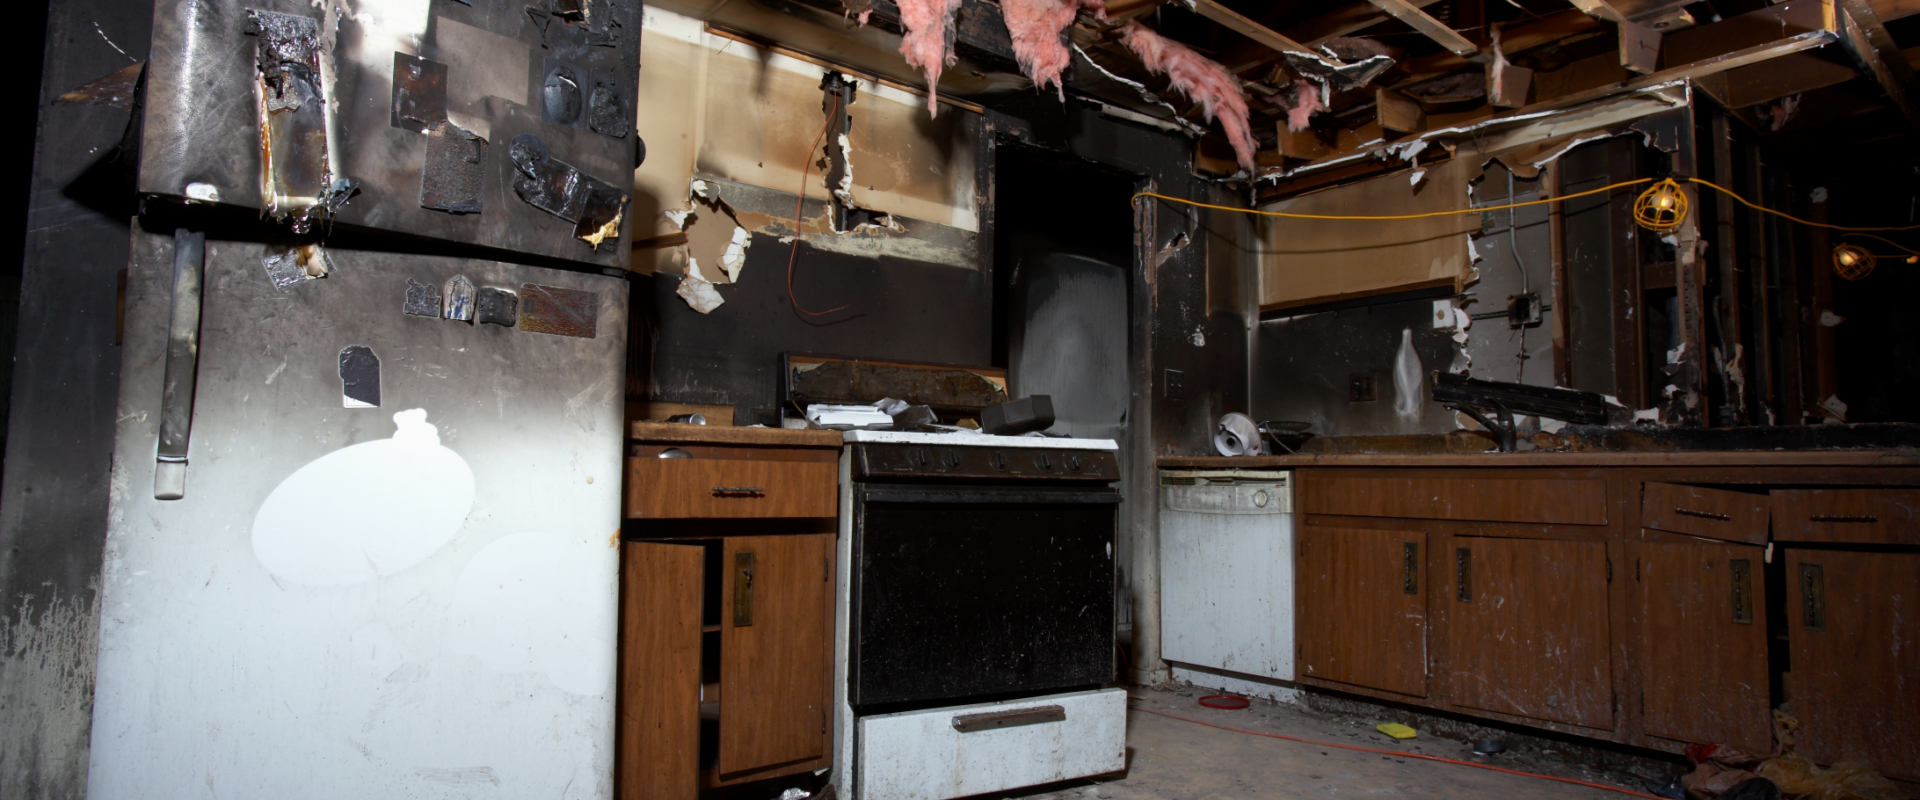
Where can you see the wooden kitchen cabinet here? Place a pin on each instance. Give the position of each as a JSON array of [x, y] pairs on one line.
[[1854, 680], [1527, 628], [1363, 608], [726, 651], [1703, 642]]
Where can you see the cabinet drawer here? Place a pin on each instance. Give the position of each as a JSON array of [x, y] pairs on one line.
[[684, 488], [1569, 501], [961, 751], [1709, 513], [1854, 516]]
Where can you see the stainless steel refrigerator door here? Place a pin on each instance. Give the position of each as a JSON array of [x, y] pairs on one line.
[[414, 599], [387, 69]]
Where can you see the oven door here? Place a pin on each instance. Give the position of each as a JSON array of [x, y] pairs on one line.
[[980, 591]]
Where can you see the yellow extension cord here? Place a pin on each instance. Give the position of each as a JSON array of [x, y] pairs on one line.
[[1563, 198]]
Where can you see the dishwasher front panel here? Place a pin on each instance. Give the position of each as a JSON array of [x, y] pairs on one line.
[[1227, 575]]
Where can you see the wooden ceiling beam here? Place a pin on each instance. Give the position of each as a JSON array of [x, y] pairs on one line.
[[1347, 19], [1241, 24], [1514, 39], [1866, 39], [1434, 29]]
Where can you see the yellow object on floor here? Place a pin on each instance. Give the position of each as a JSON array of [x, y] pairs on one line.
[[1396, 730]]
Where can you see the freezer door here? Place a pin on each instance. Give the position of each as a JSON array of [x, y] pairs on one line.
[[403, 115], [398, 583]]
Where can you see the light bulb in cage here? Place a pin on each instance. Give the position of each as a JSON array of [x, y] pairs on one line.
[[1662, 207], [1852, 262]]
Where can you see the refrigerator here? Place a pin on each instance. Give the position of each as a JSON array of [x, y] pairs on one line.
[[366, 486]]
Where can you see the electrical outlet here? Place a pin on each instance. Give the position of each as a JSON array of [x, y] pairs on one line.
[[1360, 387], [1176, 383]]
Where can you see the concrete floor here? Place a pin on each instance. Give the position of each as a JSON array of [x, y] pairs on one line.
[[1175, 760]]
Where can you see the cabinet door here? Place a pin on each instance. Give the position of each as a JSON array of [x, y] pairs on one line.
[[1703, 611], [1363, 608], [1527, 629], [776, 633], [659, 728], [1853, 620]]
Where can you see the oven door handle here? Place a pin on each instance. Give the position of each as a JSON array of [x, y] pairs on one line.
[[1001, 495]]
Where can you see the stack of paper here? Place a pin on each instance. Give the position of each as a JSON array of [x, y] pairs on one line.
[[828, 416]]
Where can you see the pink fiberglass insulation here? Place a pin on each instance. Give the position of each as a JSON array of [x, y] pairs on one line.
[[1036, 27], [926, 44], [1307, 101], [1201, 79]]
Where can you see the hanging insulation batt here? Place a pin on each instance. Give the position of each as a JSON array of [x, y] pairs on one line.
[[928, 42], [1199, 78], [1036, 26]]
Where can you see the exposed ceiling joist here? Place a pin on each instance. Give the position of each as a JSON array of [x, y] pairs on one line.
[[1867, 40], [1347, 19], [1513, 39], [1239, 23], [1434, 29]]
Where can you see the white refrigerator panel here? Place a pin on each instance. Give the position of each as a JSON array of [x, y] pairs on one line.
[[411, 599]]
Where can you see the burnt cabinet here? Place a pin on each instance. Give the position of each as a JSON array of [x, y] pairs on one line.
[[1703, 642], [1363, 608], [745, 668], [1854, 629], [726, 614], [1527, 628]]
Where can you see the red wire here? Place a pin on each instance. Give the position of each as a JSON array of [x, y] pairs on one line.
[[1399, 754], [800, 204]]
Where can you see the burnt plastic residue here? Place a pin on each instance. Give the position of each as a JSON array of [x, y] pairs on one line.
[[359, 377], [497, 307], [419, 92], [423, 299], [607, 115], [546, 183], [456, 169], [562, 312], [287, 265], [294, 140], [562, 100]]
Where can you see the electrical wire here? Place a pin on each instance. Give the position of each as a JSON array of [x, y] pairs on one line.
[[1399, 754], [1386, 217], [1809, 223], [800, 204]]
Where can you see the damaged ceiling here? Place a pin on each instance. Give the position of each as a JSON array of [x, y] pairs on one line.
[[1323, 81]]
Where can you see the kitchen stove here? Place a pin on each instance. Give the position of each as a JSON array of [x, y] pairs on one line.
[[975, 614]]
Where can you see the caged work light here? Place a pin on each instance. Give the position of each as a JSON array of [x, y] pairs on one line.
[[1852, 262], [1661, 208]]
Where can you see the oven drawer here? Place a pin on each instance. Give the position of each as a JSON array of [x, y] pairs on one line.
[[695, 488], [959, 751]]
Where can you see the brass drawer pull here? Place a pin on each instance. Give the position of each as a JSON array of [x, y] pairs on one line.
[[1702, 514], [745, 491], [1844, 518]]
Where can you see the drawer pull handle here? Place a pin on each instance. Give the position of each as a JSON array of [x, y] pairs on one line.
[[1702, 514], [1844, 518], [995, 720], [743, 491]]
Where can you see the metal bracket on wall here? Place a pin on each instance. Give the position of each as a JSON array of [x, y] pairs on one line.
[[183, 357]]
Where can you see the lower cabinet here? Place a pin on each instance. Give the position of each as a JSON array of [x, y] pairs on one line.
[[1703, 642], [726, 662], [1853, 622], [1527, 628], [1363, 608]]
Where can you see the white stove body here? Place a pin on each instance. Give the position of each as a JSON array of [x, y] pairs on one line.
[[924, 754]]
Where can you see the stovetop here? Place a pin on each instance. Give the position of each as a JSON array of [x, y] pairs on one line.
[[983, 460]]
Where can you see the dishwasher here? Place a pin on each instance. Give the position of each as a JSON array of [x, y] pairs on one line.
[[1227, 578]]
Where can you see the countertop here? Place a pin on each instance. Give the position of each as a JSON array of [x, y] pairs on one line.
[[1689, 458], [681, 433]]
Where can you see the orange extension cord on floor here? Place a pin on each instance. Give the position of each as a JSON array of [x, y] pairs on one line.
[[1396, 753]]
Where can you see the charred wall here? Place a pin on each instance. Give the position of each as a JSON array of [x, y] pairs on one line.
[[65, 376]]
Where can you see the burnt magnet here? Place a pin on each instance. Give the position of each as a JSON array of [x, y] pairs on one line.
[[456, 169], [419, 92], [497, 307], [561, 312], [359, 377], [423, 299], [457, 299]]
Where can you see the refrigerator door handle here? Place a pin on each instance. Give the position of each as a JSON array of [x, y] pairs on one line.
[[183, 357]]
